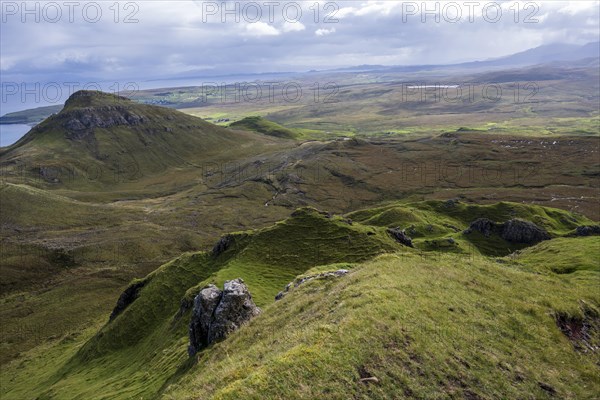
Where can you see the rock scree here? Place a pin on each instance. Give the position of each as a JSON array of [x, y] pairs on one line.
[[217, 313]]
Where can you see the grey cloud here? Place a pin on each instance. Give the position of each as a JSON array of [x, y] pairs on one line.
[[171, 39]]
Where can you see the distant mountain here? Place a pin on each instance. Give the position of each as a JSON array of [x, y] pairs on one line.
[[546, 54], [558, 52]]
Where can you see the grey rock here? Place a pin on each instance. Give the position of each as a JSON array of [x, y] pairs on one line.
[[400, 236], [74, 125], [205, 304], [519, 231], [222, 245], [217, 313], [235, 308], [514, 230], [587, 230], [451, 203], [100, 117]]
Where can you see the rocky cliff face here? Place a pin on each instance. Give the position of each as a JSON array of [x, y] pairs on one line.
[[103, 117], [217, 313]]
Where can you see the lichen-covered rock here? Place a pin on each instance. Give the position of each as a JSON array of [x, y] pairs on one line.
[[519, 231], [235, 308], [400, 236], [205, 304], [217, 313]]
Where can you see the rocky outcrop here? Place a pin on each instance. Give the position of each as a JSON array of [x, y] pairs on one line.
[[514, 230], [100, 117], [127, 297], [222, 245], [587, 230], [400, 236], [322, 275], [483, 226], [519, 231], [217, 313]]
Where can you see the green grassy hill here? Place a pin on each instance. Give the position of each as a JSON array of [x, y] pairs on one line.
[[101, 140], [262, 125], [406, 322]]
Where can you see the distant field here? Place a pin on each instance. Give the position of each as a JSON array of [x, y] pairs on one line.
[[545, 101]]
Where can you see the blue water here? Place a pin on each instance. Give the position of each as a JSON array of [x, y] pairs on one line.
[[11, 133]]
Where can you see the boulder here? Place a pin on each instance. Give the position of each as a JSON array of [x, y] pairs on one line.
[[217, 313], [205, 304], [235, 308], [519, 231]]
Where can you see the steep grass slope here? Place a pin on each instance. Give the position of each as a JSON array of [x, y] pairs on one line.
[[150, 335], [403, 326]]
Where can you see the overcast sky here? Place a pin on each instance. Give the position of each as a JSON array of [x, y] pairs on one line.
[[162, 39]]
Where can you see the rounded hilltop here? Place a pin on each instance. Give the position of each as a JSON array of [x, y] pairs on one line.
[[93, 98]]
